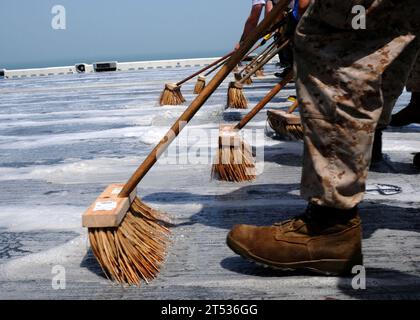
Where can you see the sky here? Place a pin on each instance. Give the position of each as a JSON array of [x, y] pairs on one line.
[[123, 30]]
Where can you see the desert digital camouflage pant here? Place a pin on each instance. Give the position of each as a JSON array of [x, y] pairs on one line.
[[395, 78], [343, 78], [413, 83]]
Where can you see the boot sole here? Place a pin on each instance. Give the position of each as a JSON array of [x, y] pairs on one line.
[[328, 267]]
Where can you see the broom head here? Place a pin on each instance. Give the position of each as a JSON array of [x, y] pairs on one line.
[[171, 95], [234, 160], [238, 76], [236, 98], [200, 85], [128, 238], [286, 125], [248, 81], [260, 73]]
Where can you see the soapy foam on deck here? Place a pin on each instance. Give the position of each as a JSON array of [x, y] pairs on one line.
[[41, 217], [129, 120], [32, 142], [75, 171]]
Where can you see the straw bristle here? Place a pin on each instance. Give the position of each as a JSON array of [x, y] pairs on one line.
[[199, 86], [285, 130], [171, 96], [135, 250], [295, 131], [248, 81], [259, 73], [236, 98], [238, 76], [234, 161]]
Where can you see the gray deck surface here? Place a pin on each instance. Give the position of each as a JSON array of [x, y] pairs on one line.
[[63, 139]]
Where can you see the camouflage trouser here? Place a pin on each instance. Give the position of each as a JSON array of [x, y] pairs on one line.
[[395, 78], [413, 83], [341, 85]]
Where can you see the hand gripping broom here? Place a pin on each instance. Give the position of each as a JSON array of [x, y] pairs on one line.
[[234, 161], [236, 98], [127, 236], [172, 94]]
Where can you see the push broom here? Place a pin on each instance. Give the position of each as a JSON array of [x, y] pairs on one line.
[[236, 98], [128, 238], [286, 124], [234, 161], [201, 80], [172, 94], [254, 61], [238, 75]]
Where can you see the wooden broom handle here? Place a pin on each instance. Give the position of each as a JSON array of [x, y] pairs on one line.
[[215, 68], [245, 120], [226, 57], [262, 43], [211, 65], [222, 62], [293, 107], [198, 102], [258, 57], [263, 62]]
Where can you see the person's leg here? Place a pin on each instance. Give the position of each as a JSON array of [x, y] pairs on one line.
[[286, 61], [394, 80], [339, 85], [416, 160], [413, 83], [411, 113]]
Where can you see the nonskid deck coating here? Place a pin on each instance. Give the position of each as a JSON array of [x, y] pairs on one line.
[[64, 138]]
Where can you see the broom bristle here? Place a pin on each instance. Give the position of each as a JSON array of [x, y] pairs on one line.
[[296, 131], [236, 98], [248, 81], [285, 125], [260, 73], [234, 161], [135, 250], [200, 85], [171, 95], [238, 76]]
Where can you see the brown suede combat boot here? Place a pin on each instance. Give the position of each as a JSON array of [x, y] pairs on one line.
[[323, 240]]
